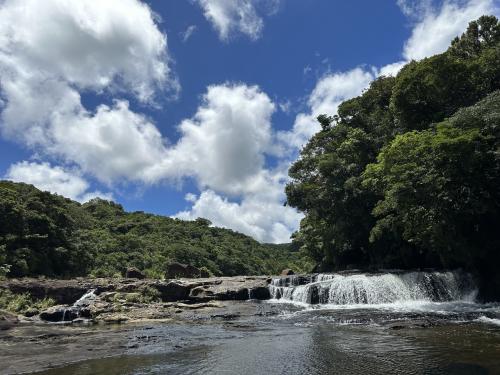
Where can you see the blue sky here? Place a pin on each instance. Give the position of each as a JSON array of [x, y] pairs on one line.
[[197, 107]]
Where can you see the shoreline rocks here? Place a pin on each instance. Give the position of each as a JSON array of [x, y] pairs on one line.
[[113, 299]]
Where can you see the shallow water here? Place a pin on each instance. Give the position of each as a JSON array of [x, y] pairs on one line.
[[280, 338]]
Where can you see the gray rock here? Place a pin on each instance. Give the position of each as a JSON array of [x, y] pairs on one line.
[[179, 270], [173, 291]]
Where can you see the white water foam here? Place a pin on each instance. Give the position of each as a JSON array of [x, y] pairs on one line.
[[485, 319], [408, 291]]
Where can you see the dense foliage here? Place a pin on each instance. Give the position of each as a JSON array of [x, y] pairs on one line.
[[46, 234], [407, 174]]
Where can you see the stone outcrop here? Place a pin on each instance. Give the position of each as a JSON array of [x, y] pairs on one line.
[[287, 272], [231, 288], [106, 299]]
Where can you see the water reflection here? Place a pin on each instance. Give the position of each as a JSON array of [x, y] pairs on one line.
[[284, 347]]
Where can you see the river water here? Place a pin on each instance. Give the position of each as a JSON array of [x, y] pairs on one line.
[[346, 328]]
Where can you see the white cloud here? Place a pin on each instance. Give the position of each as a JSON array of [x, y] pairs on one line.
[[330, 91], [229, 17], [436, 28], [188, 33], [224, 144], [52, 51], [112, 144], [53, 179], [265, 220], [88, 44]]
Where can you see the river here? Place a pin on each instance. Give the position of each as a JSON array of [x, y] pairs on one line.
[[351, 325]]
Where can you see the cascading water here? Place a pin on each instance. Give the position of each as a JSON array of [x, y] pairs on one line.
[[372, 289], [75, 310]]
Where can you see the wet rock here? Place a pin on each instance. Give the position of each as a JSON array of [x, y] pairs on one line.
[[232, 288], [134, 273], [58, 314], [287, 272], [7, 320], [261, 292], [178, 270], [314, 295]]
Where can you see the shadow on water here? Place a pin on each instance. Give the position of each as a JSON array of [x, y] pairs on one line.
[[319, 348]]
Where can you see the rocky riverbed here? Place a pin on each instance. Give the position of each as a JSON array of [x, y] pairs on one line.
[[128, 300]]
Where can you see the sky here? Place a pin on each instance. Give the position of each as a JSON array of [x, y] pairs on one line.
[[195, 108]]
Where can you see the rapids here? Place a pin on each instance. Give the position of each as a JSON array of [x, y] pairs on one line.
[[374, 289]]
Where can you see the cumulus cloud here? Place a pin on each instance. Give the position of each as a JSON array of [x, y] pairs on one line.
[[52, 51], [414, 8], [267, 221], [112, 144], [230, 17], [224, 144], [53, 179]]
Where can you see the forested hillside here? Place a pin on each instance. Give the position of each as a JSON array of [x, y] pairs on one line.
[[408, 174], [46, 234]]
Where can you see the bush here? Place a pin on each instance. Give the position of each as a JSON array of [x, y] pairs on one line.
[[21, 303]]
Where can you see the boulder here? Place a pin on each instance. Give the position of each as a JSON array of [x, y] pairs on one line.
[[231, 288], [178, 270], [61, 313], [287, 272], [134, 273], [172, 291], [260, 292], [58, 314]]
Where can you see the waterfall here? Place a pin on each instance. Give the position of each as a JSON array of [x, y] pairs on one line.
[[371, 289], [85, 299], [75, 310]]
